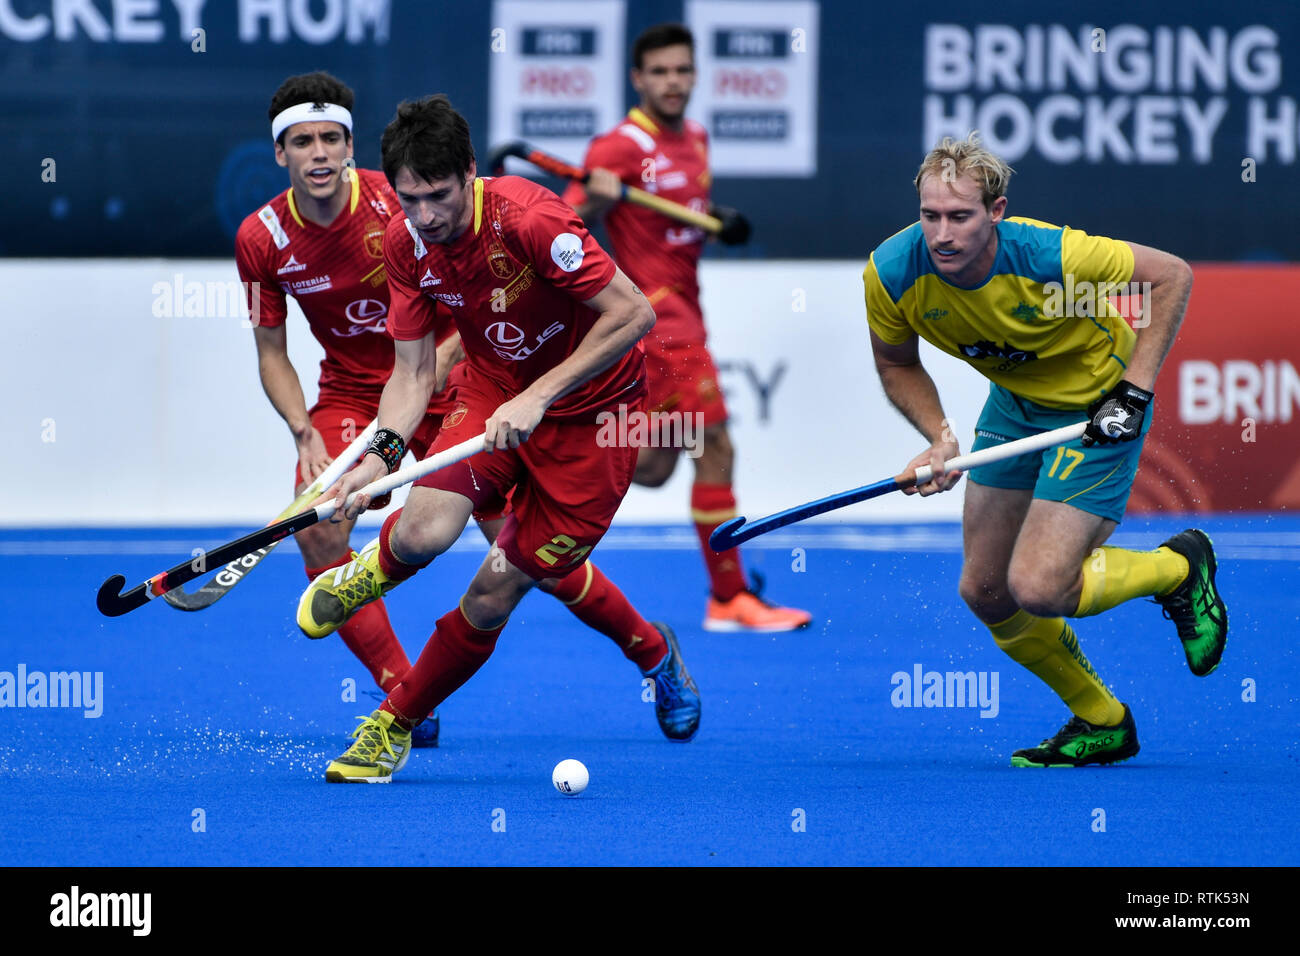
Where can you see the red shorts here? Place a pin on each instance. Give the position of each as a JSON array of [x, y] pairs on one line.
[[680, 372], [566, 487], [682, 378]]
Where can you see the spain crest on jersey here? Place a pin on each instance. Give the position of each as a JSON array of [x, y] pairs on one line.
[[374, 239], [499, 261]]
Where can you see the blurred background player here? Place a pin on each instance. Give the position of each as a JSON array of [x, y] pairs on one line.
[[657, 149], [322, 242], [550, 327], [988, 290]]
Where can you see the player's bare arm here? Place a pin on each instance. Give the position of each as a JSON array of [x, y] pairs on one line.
[[280, 382], [1171, 285], [1118, 416], [604, 189], [401, 408], [911, 390], [450, 351], [625, 316]]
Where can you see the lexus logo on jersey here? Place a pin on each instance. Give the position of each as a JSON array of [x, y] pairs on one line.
[[505, 335], [366, 315], [566, 251], [507, 339], [364, 311]]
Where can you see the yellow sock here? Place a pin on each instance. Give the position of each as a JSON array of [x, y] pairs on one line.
[[1050, 650], [1112, 576]]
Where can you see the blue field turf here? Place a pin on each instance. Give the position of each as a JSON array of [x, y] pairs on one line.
[[233, 712]]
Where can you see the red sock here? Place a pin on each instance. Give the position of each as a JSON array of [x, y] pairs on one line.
[[455, 651], [596, 601], [394, 567], [710, 506], [370, 637]]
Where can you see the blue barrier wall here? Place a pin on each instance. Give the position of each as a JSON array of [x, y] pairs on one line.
[[160, 150]]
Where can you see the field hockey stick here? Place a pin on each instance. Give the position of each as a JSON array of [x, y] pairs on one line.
[[731, 533], [224, 580], [113, 603], [558, 167]]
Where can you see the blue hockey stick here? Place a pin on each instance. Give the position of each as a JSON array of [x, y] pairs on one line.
[[731, 533]]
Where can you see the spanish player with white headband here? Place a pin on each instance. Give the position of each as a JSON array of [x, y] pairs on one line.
[[311, 113]]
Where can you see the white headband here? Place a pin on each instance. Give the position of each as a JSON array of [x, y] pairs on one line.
[[308, 113]]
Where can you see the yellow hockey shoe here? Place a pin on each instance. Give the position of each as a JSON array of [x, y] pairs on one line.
[[380, 751], [336, 594]]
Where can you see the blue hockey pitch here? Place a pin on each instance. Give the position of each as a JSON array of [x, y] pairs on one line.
[[216, 726]]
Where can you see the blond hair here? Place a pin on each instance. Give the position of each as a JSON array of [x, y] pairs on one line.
[[954, 158]]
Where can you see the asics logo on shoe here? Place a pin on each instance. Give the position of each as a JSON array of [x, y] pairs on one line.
[[1092, 746], [1206, 601]]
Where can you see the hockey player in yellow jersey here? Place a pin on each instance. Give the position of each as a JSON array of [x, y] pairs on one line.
[[1027, 304]]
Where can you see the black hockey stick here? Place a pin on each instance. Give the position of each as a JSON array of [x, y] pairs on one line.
[[224, 580], [113, 602]]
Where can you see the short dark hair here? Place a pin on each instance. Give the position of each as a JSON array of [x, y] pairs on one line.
[[318, 87], [429, 138], [659, 36]]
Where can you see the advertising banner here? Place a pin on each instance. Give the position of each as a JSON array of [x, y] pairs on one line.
[[808, 415], [756, 85], [139, 127], [1089, 93], [557, 74], [1226, 435]]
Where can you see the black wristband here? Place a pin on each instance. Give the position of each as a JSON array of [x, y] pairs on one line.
[[1124, 391], [389, 446], [1132, 393]]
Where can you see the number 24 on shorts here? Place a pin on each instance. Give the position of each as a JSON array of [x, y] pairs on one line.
[[561, 546], [1074, 456]]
